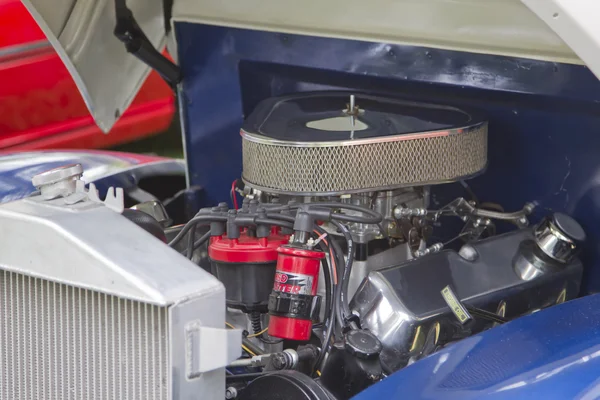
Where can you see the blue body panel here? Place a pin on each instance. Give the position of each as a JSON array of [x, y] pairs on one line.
[[544, 118], [552, 354], [103, 168]]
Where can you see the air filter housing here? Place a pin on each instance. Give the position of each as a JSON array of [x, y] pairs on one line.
[[329, 143]]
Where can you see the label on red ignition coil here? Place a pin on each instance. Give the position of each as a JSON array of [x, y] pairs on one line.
[[287, 282]]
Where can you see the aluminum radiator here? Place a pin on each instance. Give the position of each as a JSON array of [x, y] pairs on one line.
[[63, 342], [93, 307]]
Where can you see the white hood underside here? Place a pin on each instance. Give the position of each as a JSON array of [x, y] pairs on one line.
[[108, 77], [81, 31]]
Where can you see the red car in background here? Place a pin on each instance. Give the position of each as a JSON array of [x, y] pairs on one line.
[[40, 105]]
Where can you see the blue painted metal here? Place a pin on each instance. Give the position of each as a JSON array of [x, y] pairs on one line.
[[544, 117], [553, 354], [103, 168]]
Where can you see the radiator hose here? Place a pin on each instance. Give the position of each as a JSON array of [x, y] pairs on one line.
[[146, 222]]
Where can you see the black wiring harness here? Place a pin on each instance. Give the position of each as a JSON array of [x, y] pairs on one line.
[[336, 269]]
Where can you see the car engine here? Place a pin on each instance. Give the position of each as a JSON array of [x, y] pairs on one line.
[[330, 268]]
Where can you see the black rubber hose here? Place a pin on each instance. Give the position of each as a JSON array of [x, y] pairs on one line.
[[342, 298], [340, 261], [327, 271], [271, 221], [146, 222], [192, 223], [190, 244], [377, 217], [356, 218], [202, 240], [281, 217], [329, 302]]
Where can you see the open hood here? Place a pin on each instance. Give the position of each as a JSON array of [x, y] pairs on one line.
[[81, 31], [108, 77]]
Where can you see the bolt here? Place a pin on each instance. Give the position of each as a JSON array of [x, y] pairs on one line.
[[278, 361], [529, 207], [468, 252], [231, 393], [523, 221]]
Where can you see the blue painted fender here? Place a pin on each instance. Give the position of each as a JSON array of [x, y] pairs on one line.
[[552, 354], [104, 168]]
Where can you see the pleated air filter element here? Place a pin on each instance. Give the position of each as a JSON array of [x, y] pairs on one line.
[[329, 143], [93, 307]]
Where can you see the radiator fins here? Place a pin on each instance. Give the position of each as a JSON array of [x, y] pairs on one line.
[[59, 342]]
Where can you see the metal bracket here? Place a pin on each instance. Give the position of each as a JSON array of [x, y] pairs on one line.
[[129, 32], [209, 348]]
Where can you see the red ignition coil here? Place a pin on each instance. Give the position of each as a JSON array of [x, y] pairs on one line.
[[293, 303]]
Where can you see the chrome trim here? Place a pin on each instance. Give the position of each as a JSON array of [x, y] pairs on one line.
[[253, 137], [183, 128], [555, 243], [12, 52]]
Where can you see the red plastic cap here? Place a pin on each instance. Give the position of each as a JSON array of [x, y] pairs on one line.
[[246, 249]]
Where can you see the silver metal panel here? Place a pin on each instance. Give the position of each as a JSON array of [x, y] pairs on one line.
[[94, 307], [403, 306], [211, 307], [504, 27], [90, 246], [60, 342]]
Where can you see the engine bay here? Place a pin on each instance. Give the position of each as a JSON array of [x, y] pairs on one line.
[[338, 267], [329, 262]]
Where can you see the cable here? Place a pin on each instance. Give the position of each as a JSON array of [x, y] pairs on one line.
[[244, 377], [233, 196], [246, 344], [502, 215], [484, 314], [247, 350], [202, 240], [199, 220], [259, 333], [271, 221], [190, 244], [356, 219], [330, 277], [342, 305], [345, 206], [375, 216], [281, 217], [470, 192]]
